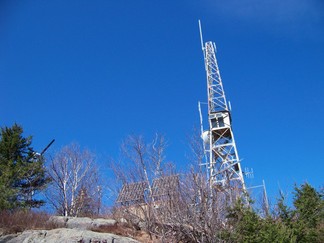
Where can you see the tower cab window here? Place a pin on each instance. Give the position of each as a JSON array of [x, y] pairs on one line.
[[218, 121]]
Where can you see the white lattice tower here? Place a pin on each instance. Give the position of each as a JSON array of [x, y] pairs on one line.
[[222, 160]]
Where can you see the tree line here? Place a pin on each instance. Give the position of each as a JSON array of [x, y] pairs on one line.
[[180, 207], [68, 181], [192, 211]]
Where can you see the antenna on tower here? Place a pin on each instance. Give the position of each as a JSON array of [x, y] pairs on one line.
[[229, 106], [201, 37], [201, 119], [265, 196]]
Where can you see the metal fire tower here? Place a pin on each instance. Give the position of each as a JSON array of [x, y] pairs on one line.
[[222, 161]]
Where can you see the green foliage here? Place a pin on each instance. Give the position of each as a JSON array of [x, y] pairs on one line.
[[284, 213], [245, 222], [304, 223], [309, 212], [309, 205], [22, 173]]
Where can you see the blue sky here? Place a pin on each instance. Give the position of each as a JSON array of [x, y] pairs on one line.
[[94, 72]]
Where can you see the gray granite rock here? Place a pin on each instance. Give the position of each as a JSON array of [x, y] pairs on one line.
[[58, 221], [81, 223], [64, 235], [98, 223]]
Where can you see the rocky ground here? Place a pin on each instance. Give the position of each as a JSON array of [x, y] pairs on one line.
[[68, 229]]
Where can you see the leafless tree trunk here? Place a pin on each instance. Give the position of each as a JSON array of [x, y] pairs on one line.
[[74, 177], [180, 208], [141, 162]]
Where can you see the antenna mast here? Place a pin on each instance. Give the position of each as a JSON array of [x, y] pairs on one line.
[[222, 160]]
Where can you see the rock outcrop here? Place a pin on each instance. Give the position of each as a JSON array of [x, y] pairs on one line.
[[64, 235], [81, 223], [69, 229]]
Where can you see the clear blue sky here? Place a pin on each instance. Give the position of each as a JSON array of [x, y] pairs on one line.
[[93, 72]]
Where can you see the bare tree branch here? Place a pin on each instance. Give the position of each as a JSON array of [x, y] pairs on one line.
[[74, 177]]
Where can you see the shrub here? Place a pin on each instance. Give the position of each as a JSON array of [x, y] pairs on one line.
[[20, 220]]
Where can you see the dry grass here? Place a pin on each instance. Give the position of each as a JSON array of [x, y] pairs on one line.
[[18, 221], [126, 231], [117, 230]]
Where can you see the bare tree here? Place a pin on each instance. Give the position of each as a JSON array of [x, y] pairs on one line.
[[141, 162], [75, 181], [177, 207]]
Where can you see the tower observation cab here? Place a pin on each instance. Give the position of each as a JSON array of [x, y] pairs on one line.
[[219, 121], [222, 160]]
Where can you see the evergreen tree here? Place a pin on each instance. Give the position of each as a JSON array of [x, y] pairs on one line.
[[303, 223], [309, 210], [244, 223], [22, 172]]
